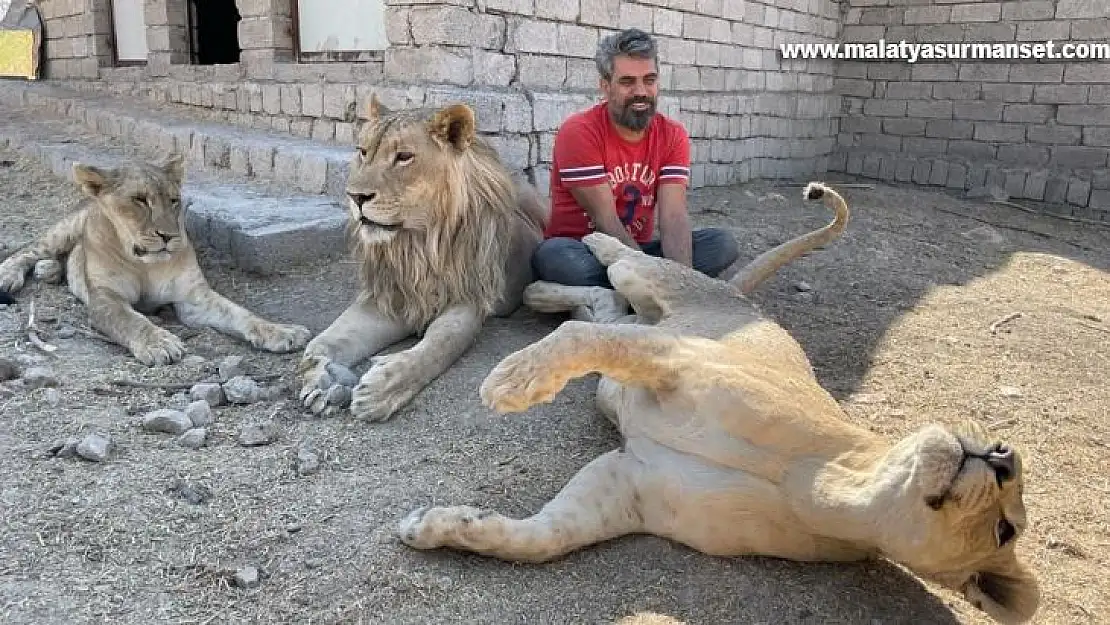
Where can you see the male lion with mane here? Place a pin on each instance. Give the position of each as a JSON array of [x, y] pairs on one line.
[[443, 234], [127, 251], [732, 447]]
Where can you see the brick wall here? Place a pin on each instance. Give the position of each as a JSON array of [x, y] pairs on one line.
[[526, 64], [77, 35], [1039, 130]]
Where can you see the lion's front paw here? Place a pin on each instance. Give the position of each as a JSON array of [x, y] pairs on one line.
[[383, 389], [280, 338], [519, 382], [608, 249], [431, 528], [158, 346]]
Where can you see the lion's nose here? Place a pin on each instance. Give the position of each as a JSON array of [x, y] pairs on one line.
[[1001, 459], [165, 237], [361, 198]]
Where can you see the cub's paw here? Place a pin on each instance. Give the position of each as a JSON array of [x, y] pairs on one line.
[[317, 394], [431, 528], [158, 347], [518, 382], [280, 338], [385, 388]]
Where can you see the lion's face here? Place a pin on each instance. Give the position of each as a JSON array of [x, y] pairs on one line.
[[398, 171], [143, 204], [959, 513]]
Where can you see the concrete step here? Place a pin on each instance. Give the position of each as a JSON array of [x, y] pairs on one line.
[[259, 225], [290, 162]]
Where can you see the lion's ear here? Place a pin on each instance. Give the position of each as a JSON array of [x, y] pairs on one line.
[[454, 124], [1009, 593], [93, 180], [174, 166]]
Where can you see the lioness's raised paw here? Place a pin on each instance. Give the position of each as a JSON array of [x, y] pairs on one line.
[[430, 528], [519, 382], [384, 388], [608, 249], [280, 338], [158, 346]]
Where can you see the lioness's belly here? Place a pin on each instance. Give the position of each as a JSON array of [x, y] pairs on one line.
[[723, 511]]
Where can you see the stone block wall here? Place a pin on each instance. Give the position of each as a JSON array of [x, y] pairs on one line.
[[77, 35], [525, 65], [1036, 129]]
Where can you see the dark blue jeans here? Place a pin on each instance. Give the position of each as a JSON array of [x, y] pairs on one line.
[[568, 261]]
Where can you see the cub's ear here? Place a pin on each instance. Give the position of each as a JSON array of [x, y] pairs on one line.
[[93, 180], [375, 108], [174, 166], [455, 125], [1009, 594]]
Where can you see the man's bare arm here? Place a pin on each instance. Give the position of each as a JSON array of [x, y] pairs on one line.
[[674, 224], [597, 201]]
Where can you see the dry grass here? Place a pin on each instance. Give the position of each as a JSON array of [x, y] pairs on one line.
[[899, 328]]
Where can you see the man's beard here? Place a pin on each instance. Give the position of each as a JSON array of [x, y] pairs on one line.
[[636, 120]]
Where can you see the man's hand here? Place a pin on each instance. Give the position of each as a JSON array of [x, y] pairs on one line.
[[597, 201], [674, 224]]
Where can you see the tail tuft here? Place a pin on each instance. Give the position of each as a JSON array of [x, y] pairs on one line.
[[814, 191]]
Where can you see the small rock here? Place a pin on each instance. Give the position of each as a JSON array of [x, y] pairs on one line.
[[342, 375], [241, 390], [194, 494], [50, 271], [52, 397], [258, 434], [39, 377], [199, 413], [1012, 392], [231, 367], [246, 577], [209, 392], [167, 421], [805, 296], [179, 400], [192, 360], [339, 396], [307, 462], [193, 439], [65, 449], [95, 447], [803, 286], [8, 370], [65, 332]]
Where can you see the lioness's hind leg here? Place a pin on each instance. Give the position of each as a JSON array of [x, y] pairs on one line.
[[599, 503], [58, 241], [628, 353]]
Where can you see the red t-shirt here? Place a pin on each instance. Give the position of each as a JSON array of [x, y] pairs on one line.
[[589, 151]]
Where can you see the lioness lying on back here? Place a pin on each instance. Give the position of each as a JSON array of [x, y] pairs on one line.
[[128, 251], [733, 448]]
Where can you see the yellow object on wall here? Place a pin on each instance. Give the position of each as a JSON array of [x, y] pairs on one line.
[[18, 54]]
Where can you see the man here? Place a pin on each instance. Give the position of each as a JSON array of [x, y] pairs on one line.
[[616, 167]]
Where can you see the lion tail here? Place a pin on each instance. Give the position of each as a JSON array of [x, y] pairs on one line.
[[767, 263]]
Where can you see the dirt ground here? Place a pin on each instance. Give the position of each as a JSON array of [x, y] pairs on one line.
[[897, 322]]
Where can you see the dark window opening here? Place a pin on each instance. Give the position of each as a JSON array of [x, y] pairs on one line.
[[214, 31]]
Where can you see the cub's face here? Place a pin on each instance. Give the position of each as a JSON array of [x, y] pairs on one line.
[[143, 204], [403, 167], [960, 515]]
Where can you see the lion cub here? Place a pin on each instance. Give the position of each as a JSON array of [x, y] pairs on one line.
[[128, 251]]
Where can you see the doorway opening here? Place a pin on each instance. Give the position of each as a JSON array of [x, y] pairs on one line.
[[213, 32]]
